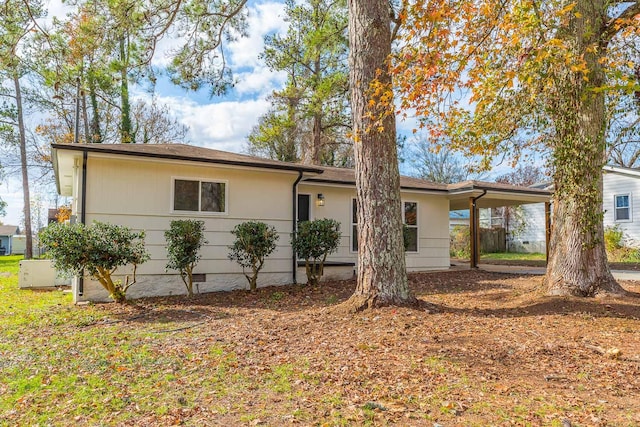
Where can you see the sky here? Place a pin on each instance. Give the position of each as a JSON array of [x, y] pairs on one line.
[[220, 122]]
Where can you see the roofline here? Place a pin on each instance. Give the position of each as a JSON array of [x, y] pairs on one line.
[[91, 149], [313, 180], [621, 170], [474, 187]]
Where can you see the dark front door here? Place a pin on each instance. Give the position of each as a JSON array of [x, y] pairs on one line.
[[304, 213]]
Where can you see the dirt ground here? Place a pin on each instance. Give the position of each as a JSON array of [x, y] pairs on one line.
[[488, 349]]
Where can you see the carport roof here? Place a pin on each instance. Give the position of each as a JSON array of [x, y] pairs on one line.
[[494, 194]]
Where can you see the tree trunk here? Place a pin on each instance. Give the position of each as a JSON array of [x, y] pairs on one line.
[[96, 133], [126, 135], [316, 145], [577, 258], [28, 252], [382, 278], [85, 118]]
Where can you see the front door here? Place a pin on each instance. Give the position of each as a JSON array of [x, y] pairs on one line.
[[304, 207]]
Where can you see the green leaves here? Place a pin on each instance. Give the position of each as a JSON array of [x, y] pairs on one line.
[[254, 242], [313, 241], [184, 240], [99, 249], [310, 117]]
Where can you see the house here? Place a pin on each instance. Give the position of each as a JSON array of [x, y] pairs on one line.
[[620, 189], [621, 201], [7, 233], [144, 187]]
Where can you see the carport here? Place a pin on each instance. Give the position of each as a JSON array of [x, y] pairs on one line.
[[474, 195]]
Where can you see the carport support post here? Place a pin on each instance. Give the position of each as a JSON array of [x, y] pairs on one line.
[[474, 226], [547, 228]]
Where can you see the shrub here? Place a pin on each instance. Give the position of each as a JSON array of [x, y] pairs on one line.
[[98, 249], [254, 242], [613, 238], [184, 240], [616, 249], [460, 241], [313, 242]]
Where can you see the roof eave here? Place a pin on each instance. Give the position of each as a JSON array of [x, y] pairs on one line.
[[284, 167]]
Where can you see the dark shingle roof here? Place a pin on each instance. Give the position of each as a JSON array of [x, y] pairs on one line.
[[187, 153], [323, 173], [348, 176]]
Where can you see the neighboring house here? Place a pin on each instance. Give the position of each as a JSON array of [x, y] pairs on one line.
[[146, 186], [526, 232], [461, 217], [620, 204], [458, 218], [19, 245], [7, 233], [621, 201]]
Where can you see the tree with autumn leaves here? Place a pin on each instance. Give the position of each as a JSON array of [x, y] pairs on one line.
[[499, 77], [492, 77]]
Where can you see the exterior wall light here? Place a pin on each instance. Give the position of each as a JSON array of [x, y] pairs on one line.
[[320, 199]]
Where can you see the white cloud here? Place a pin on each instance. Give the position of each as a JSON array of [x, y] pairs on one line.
[[263, 19], [260, 81], [223, 125]]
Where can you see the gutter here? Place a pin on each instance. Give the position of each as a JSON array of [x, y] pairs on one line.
[[475, 230], [83, 215], [294, 217]]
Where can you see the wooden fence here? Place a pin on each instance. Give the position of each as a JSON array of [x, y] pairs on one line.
[[493, 240]]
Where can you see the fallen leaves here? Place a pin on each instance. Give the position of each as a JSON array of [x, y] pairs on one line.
[[491, 351]]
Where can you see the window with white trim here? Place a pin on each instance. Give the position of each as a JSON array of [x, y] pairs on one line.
[[199, 196], [410, 219], [622, 207]]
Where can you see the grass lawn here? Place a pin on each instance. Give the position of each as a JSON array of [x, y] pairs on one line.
[[485, 349], [510, 256]]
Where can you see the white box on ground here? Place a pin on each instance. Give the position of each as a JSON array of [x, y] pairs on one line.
[[39, 273]]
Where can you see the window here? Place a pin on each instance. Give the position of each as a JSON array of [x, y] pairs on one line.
[[199, 196], [622, 207], [354, 225], [410, 217]]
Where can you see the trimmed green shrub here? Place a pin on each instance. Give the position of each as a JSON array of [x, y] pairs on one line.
[[313, 242], [254, 242], [184, 238], [98, 249]]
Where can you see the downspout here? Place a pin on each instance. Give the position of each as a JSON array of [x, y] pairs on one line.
[[83, 206], [294, 199], [475, 230]]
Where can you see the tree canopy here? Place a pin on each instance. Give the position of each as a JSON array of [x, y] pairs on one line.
[[518, 77]]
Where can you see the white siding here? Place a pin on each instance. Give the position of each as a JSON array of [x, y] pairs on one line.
[[528, 229], [433, 224], [620, 184], [137, 194]]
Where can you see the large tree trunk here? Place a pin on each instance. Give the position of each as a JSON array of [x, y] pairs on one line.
[[382, 278], [28, 252], [577, 258]]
